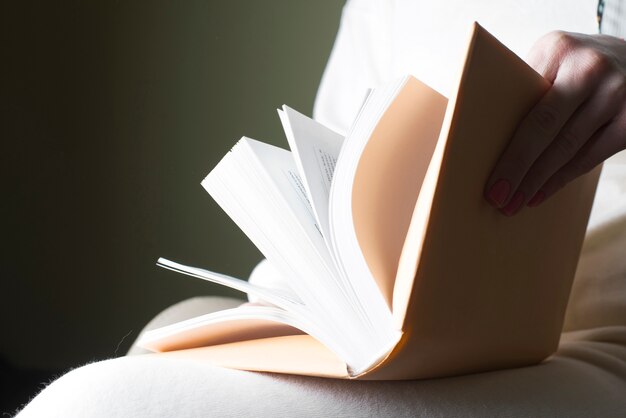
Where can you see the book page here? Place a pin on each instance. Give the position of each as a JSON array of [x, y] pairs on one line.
[[222, 327], [245, 324], [279, 297], [280, 167], [344, 238], [315, 149], [259, 187], [389, 175]]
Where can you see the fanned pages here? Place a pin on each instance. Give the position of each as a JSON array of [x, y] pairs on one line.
[[391, 264], [315, 149]]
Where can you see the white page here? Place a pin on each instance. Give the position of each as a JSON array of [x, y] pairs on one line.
[[284, 299], [225, 318], [315, 149], [257, 185], [344, 241], [279, 165]]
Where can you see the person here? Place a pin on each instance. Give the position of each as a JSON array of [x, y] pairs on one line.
[[579, 123]]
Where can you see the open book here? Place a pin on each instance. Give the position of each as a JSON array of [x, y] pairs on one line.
[[391, 264]]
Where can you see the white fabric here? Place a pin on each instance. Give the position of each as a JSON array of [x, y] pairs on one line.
[[586, 378], [382, 40], [614, 19]]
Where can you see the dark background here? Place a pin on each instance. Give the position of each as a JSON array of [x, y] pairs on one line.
[[112, 113]]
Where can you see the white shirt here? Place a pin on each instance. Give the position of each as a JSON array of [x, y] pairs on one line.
[[381, 40]]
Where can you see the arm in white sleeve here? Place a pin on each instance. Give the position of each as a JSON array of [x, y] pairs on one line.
[[360, 59]]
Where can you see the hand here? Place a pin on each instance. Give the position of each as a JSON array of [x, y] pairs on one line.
[[577, 124]]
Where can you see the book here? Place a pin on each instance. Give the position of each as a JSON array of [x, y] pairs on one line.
[[389, 262]]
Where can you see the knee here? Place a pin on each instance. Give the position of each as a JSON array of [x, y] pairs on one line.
[[92, 390]]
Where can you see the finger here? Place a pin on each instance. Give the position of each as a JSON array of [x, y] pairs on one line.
[[587, 119], [547, 53], [533, 136], [606, 142]]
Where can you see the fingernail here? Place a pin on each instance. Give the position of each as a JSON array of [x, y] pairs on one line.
[[514, 205], [537, 199], [498, 193]]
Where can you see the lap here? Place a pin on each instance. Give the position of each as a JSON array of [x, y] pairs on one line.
[[586, 377]]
